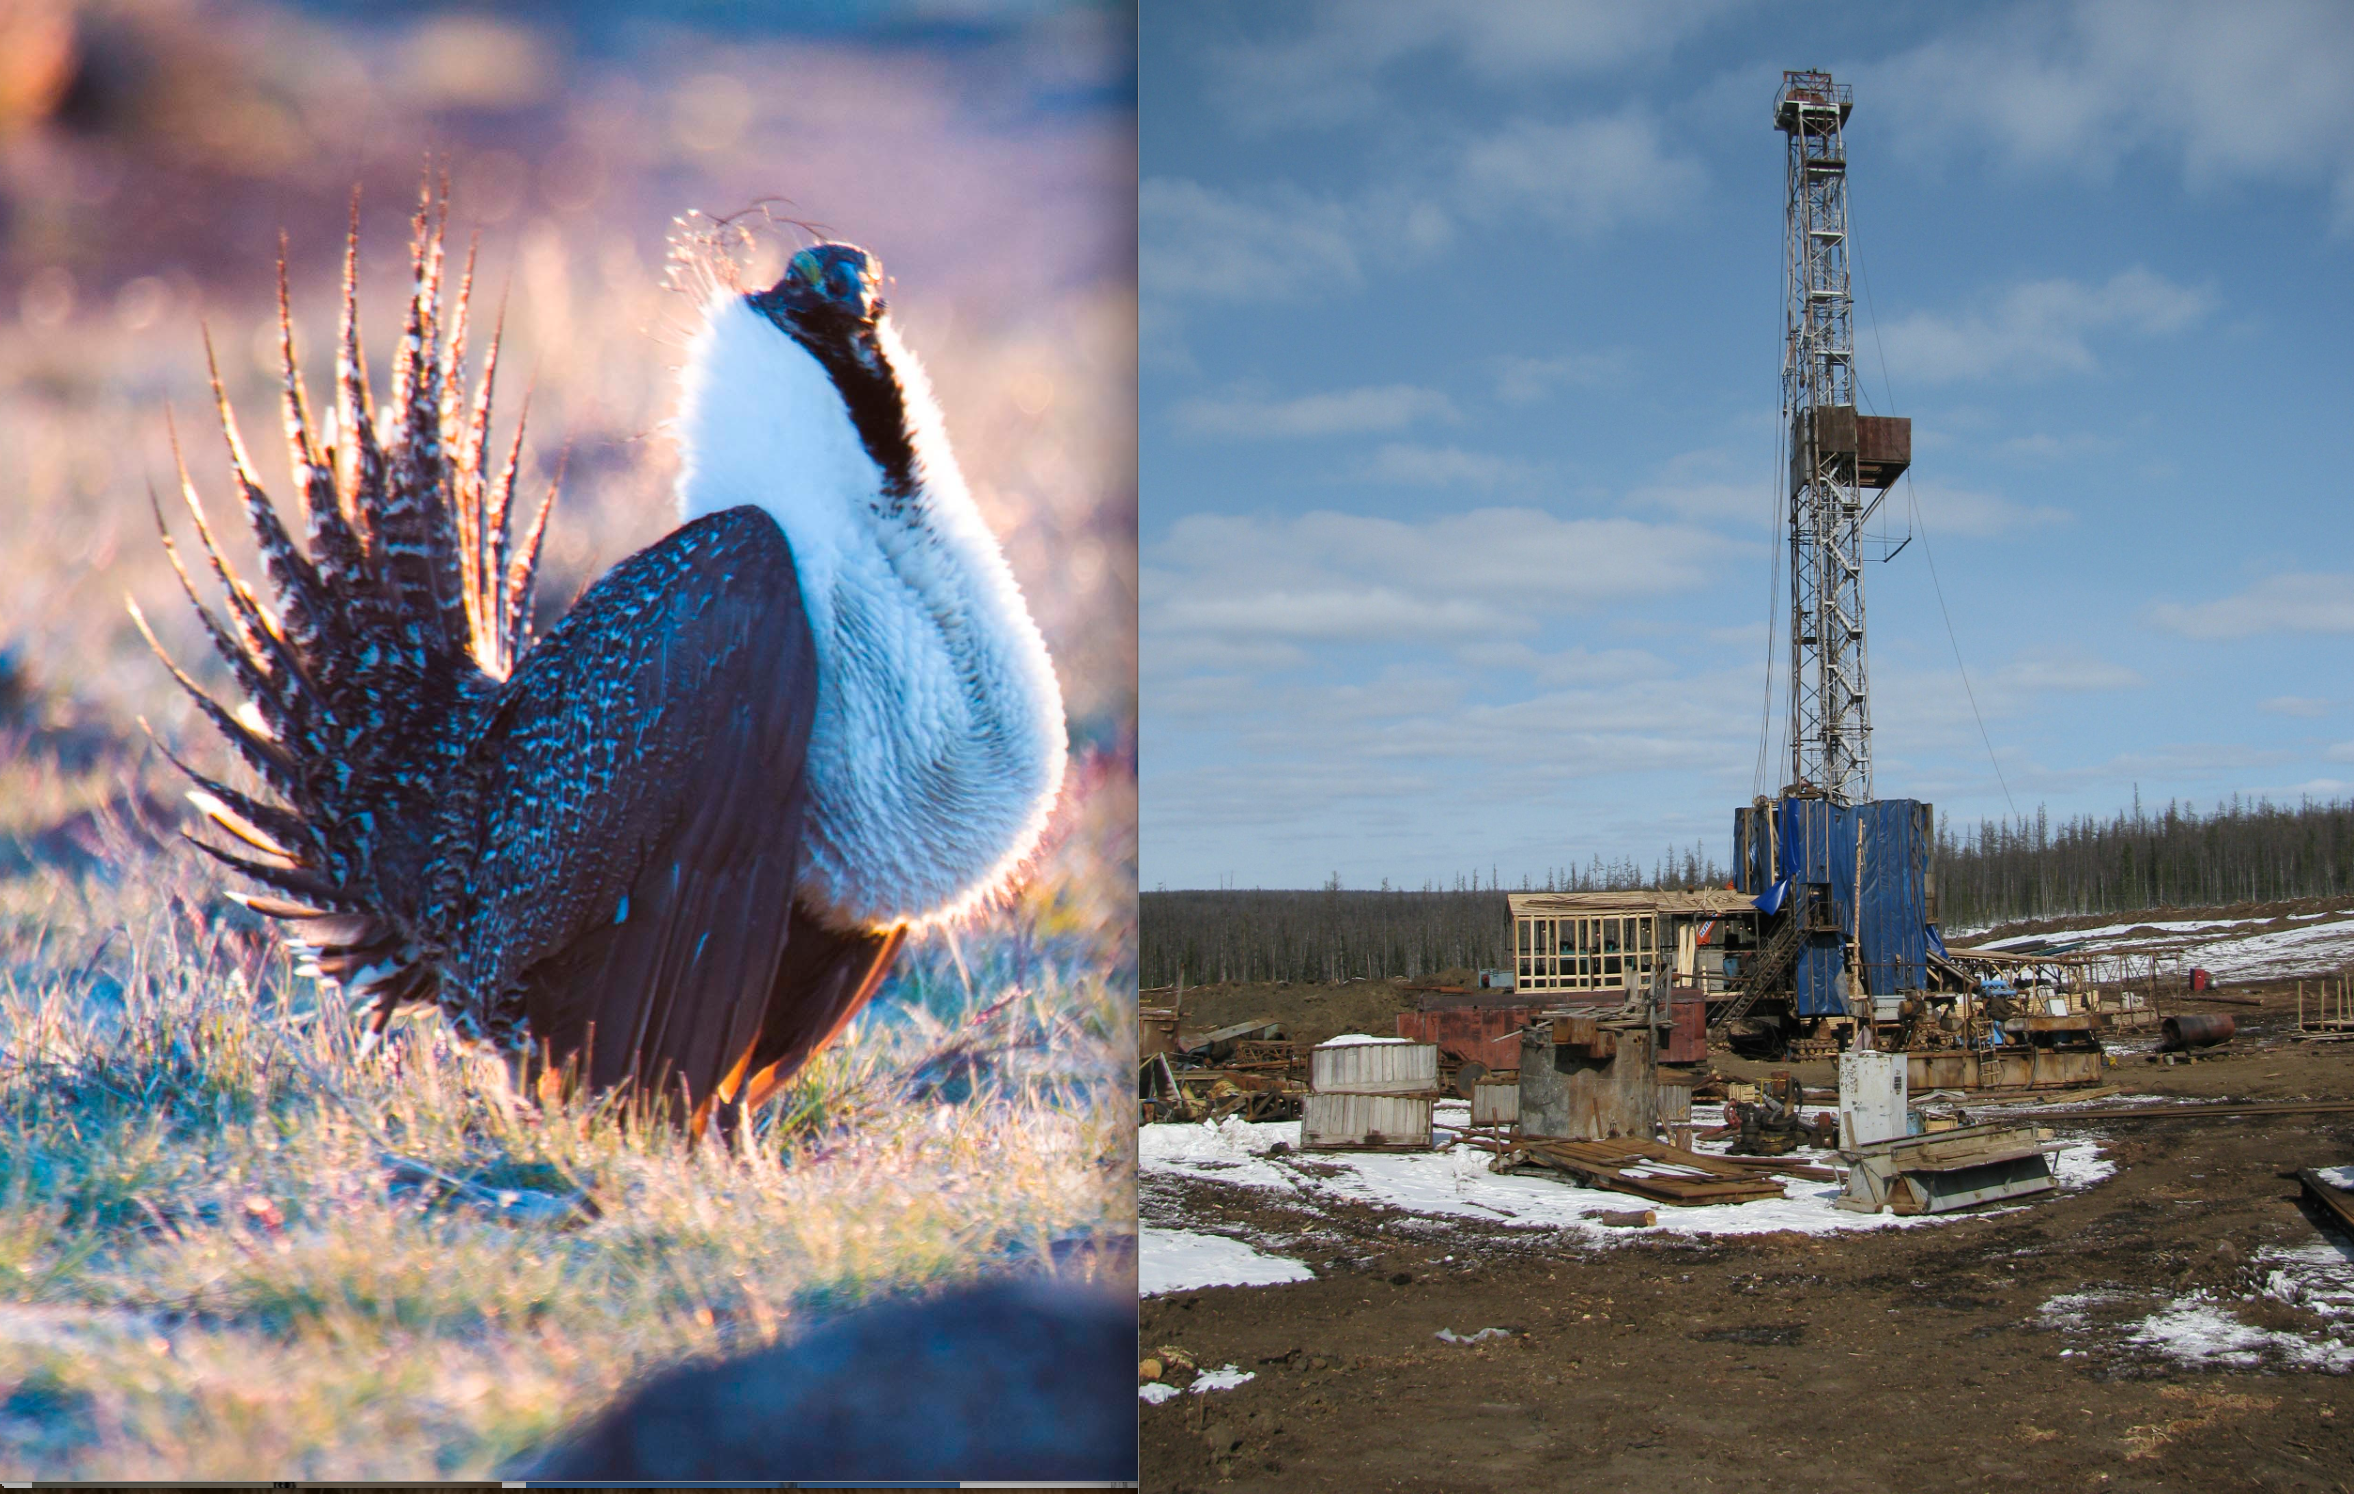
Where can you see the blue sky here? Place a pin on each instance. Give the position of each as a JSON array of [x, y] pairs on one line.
[[1460, 347]]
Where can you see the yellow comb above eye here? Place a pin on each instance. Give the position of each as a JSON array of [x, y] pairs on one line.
[[805, 264]]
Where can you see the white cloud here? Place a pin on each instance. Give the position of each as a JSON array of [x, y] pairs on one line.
[[1442, 467], [1756, 505], [1525, 381], [2304, 707], [1202, 244], [2320, 788], [1972, 515], [1275, 242], [2308, 603], [2042, 446], [1333, 69], [1715, 486], [1920, 706], [1694, 487], [1385, 407], [1350, 578], [2041, 328], [1585, 177], [2048, 672], [2256, 89]]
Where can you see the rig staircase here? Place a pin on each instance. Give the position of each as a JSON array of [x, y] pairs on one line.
[[1773, 961]]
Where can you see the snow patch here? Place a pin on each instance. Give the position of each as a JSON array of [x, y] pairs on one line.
[[2232, 949], [1358, 1040], [1456, 1183], [1225, 1378], [1180, 1260], [2318, 1277], [1155, 1393], [1451, 1336], [2192, 1331], [2336, 1177], [2079, 1165], [2074, 1309]]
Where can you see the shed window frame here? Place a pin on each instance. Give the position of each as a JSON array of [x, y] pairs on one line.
[[1587, 951]]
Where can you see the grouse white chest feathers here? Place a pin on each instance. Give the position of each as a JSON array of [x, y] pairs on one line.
[[938, 743]]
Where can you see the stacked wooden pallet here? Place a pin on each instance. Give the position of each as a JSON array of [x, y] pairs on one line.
[[1647, 1169]]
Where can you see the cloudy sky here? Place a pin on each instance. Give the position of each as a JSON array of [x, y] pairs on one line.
[[1461, 331]]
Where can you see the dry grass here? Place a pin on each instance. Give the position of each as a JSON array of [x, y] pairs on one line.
[[229, 1247]]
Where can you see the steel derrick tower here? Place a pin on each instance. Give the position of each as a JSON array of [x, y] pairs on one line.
[[1839, 464]]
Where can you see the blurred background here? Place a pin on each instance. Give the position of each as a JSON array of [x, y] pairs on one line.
[[151, 154]]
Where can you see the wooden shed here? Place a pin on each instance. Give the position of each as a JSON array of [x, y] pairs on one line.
[[1608, 943]]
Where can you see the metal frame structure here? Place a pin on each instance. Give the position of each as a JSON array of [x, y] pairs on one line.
[[1830, 716]]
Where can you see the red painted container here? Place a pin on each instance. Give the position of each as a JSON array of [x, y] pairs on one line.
[[1488, 1035], [1687, 1034]]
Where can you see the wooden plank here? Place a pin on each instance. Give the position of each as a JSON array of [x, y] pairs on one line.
[[1975, 1099], [1631, 1166], [2336, 1201], [1780, 1168]]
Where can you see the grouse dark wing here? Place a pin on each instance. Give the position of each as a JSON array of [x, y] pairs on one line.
[[635, 813], [825, 977]]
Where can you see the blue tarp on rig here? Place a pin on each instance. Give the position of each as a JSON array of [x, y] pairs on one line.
[[1813, 851]]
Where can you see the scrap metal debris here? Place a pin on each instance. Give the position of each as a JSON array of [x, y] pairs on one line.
[[1946, 1170]]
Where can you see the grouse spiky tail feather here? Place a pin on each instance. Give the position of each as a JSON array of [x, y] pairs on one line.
[[582, 850]]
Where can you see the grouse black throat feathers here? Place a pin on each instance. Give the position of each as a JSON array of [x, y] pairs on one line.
[[675, 844]]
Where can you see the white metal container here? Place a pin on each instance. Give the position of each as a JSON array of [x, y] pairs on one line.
[[1376, 1068], [1344, 1122], [1495, 1103], [1872, 1097]]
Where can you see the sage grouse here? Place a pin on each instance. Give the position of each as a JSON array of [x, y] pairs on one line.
[[676, 843]]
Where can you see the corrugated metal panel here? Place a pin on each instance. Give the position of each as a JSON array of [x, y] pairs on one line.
[[1495, 1104], [1392, 1122], [1675, 1104], [1374, 1068]]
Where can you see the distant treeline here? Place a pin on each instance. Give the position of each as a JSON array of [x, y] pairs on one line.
[[1327, 935], [1999, 871], [1333, 934], [2244, 851]]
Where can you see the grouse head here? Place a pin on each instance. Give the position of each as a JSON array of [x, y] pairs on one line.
[[828, 303]]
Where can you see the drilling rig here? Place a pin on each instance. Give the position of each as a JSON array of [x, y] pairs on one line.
[[1842, 881]]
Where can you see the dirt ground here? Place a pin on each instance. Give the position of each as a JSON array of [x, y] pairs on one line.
[[1922, 1358]]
